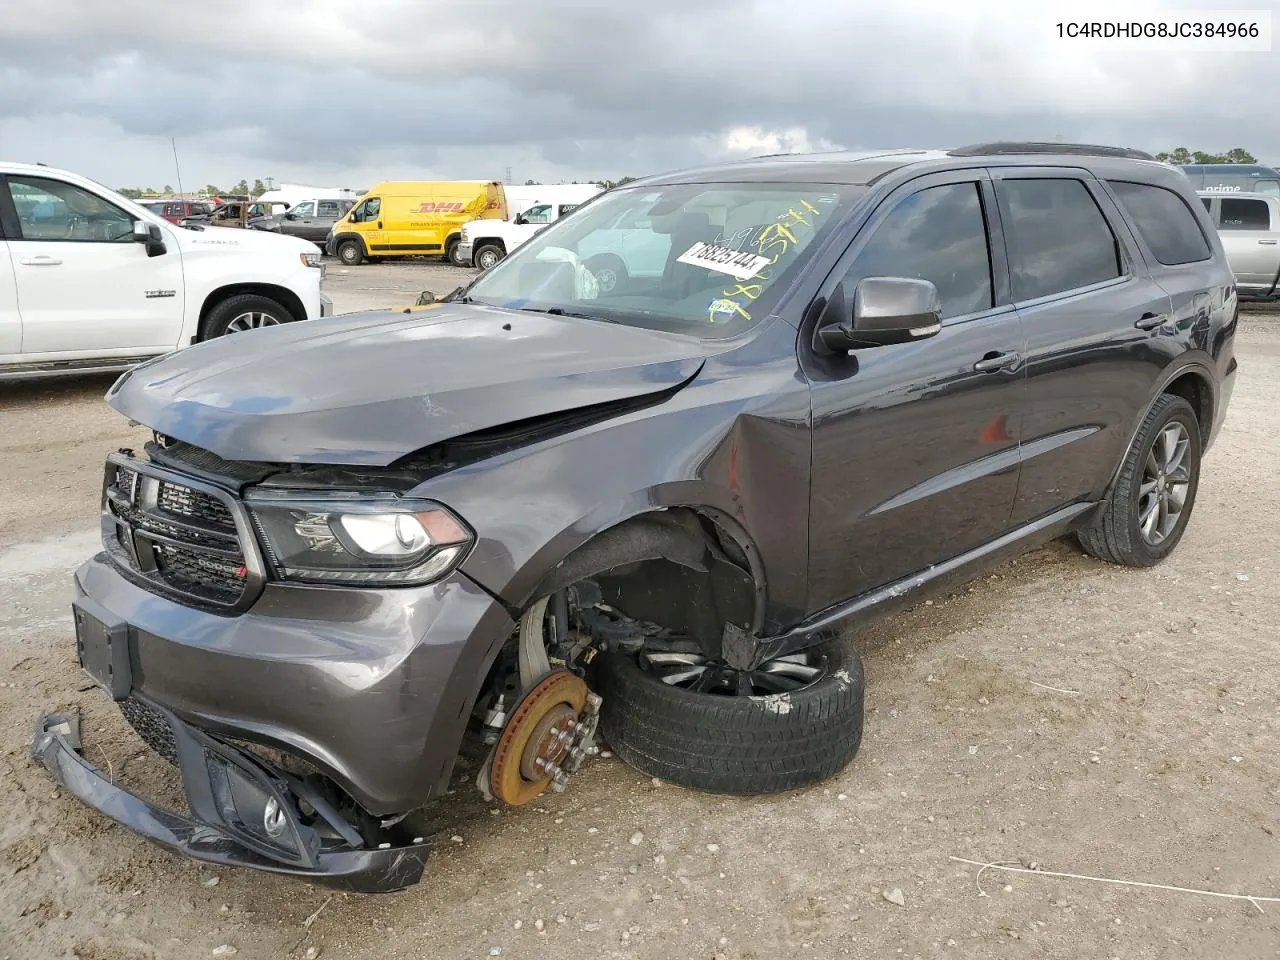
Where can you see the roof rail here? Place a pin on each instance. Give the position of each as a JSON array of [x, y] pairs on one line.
[[1004, 147]]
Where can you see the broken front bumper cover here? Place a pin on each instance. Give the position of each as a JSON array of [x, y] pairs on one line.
[[229, 792]]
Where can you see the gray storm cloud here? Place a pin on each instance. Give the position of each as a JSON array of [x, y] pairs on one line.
[[565, 89]]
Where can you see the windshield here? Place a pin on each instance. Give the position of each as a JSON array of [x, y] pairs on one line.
[[707, 260]]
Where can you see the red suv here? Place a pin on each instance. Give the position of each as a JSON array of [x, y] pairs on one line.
[[176, 210]]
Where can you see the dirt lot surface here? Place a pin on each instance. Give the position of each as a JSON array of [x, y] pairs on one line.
[[1063, 713]]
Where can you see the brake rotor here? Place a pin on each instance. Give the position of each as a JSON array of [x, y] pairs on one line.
[[536, 740]]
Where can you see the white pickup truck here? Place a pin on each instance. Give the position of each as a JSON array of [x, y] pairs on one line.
[[485, 242], [92, 282], [1249, 225]]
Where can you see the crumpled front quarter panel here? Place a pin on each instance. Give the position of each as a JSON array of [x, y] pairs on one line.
[[736, 439]]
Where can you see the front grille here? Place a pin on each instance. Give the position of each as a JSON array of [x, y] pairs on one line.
[[186, 502], [178, 534]]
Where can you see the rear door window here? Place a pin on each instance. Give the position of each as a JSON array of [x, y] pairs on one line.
[[1240, 214], [1058, 238], [1164, 221], [329, 208]]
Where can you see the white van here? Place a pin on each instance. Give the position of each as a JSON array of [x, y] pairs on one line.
[[485, 242], [92, 282]]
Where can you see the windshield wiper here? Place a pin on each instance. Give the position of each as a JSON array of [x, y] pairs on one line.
[[562, 312]]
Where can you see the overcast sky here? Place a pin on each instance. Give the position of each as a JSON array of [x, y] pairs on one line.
[[332, 92]]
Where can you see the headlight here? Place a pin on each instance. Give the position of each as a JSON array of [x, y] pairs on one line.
[[311, 260], [370, 540]]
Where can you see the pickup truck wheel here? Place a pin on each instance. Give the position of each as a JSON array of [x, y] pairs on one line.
[[350, 252], [488, 255], [700, 724], [1144, 518], [247, 311], [608, 270]]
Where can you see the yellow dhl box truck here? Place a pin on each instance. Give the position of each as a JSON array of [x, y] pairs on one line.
[[414, 218]]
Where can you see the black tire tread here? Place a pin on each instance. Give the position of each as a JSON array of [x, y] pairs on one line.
[[1111, 534], [730, 744]]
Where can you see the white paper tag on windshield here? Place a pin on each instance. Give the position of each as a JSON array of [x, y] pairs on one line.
[[739, 264]]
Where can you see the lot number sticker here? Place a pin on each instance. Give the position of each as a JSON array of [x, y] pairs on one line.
[[739, 264]]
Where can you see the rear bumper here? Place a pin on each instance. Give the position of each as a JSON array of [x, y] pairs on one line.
[[226, 828]]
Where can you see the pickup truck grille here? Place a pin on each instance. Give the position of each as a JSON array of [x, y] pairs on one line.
[[179, 535]]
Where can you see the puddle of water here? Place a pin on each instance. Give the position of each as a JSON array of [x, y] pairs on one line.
[[48, 556]]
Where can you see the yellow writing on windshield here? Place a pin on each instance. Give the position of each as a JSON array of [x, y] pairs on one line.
[[773, 241]]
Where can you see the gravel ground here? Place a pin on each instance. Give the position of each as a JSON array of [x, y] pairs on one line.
[[1063, 713]]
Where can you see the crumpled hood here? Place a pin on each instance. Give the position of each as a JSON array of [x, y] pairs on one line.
[[370, 388]]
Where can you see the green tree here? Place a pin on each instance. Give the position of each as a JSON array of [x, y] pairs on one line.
[[259, 188], [133, 193], [211, 189], [168, 189], [1181, 155]]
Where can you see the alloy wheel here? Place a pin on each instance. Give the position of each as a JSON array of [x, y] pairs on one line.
[[252, 320], [1166, 479], [606, 279], [698, 674]]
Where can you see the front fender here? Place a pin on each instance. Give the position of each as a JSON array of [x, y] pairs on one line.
[[733, 443]]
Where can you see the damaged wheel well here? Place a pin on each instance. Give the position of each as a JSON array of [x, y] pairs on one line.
[[669, 559], [690, 571]]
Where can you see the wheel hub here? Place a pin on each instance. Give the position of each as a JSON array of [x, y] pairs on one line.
[[551, 731], [1165, 483]]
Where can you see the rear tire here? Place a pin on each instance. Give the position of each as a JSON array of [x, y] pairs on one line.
[[451, 253], [350, 252], [488, 256], [734, 744], [1160, 473], [244, 312]]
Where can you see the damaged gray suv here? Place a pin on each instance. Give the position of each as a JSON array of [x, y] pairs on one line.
[[632, 485]]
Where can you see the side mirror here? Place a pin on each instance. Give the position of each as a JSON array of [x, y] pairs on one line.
[[885, 310], [291, 216], [149, 234], [425, 298], [520, 219]]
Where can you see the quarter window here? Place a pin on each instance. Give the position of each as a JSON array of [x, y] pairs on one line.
[[939, 235], [329, 208], [53, 210], [1165, 222], [1240, 214], [1058, 238]]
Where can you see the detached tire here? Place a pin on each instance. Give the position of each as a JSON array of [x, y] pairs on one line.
[[1146, 514], [734, 744], [244, 312]]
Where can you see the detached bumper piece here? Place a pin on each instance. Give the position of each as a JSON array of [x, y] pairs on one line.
[[244, 813]]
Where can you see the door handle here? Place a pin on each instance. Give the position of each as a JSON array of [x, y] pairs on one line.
[[1268, 243], [40, 261], [1149, 321], [379, 224], [995, 362]]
